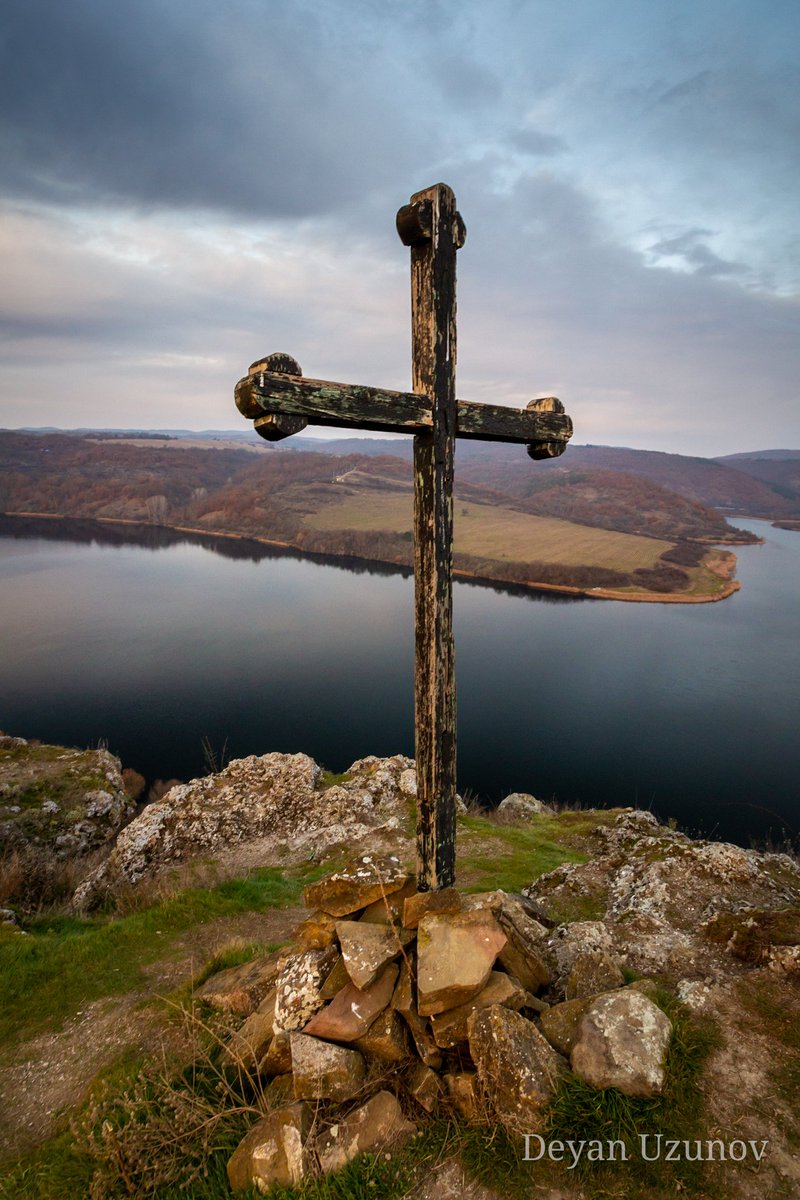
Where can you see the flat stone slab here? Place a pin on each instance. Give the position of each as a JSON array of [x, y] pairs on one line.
[[240, 989], [450, 1028], [349, 891], [273, 1152], [367, 948], [352, 1011], [374, 1127], [518, 1068], [388, 910], [622, 1042], [297, 987], [447, 900], [323, 1071], [386, 1040], [455, 956]]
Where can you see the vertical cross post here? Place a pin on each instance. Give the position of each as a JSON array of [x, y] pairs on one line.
[[433, 229]]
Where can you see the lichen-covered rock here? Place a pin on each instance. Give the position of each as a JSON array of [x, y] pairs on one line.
[[655, 889], [622, 1042], [367, 948], [67, 802], [271, 800], [521, 807], [348, 891], [274, 1151], [297, 987], [353, 1010], [322, 1071], [517, 1066], [455, 956], [375, 1126], [593, 971]]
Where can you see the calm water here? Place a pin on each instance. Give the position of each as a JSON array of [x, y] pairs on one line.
[[691, 710]]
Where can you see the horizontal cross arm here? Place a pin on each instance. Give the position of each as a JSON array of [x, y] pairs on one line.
[[349, 406]]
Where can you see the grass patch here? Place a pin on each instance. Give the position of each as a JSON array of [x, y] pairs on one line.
[[501, 534], [509, 857], [582, 1113], [67, 962], [332, 779]]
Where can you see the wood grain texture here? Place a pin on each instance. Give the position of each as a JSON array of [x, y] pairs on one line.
[[351, 406], [433, 335]]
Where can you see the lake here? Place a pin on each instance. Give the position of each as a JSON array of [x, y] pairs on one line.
[[174, 649]]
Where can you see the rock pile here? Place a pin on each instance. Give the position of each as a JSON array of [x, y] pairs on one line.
[[392, 1003]]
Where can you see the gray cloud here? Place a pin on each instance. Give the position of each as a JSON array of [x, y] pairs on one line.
[[695, 251], [259, 109]]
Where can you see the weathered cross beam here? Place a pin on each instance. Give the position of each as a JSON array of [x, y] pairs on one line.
[[281, 403]]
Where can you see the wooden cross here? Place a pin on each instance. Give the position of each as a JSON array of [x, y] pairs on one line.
[[281, 403]]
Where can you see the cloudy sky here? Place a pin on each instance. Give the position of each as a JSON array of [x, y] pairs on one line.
[[187, 185]]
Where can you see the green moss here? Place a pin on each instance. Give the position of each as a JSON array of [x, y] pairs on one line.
[[332, 779]]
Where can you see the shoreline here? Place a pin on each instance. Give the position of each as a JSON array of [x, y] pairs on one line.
[[597, 593]]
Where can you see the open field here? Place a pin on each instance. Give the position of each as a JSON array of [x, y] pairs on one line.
[[488, 531]]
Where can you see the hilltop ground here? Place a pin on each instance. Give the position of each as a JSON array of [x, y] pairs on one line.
[[213, 874]]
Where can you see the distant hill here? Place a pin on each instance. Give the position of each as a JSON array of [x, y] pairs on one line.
[[584, 529]]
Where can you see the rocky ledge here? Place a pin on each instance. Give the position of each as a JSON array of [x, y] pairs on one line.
[[67, 803], [284, 805]]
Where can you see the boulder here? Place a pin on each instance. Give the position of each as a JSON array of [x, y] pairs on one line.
[[240, 989], [297, 987], [525, 954], [593, 971], [450, 1028], [622, 1042], [323, 1071], [455, 956], [521, 807], [353, 1010], [349, 891], [366, 949], [336, 980], [517, 1066], [273, 1152], [374, 1127]]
